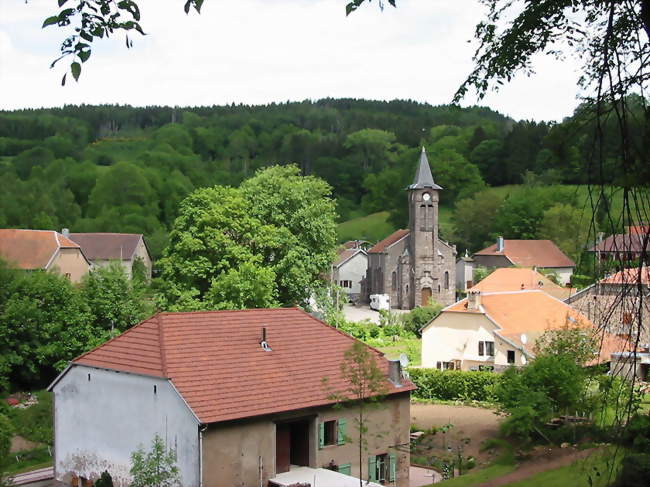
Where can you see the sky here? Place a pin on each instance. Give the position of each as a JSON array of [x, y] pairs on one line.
[[263, 51]]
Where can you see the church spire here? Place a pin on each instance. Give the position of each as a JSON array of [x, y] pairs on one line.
[[423, 176]]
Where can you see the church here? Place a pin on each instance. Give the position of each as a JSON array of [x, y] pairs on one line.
[[414, 266]]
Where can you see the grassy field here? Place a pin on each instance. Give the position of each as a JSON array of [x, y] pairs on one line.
[[478, 477], [598, 470], [410, 346], [375, 227]]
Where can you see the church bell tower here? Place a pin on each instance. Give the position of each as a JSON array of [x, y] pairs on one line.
[[423, 200]]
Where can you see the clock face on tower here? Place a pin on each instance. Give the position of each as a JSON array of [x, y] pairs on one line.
[[426, 196]]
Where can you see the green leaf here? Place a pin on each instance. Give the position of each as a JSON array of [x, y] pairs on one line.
[[61, 2], [84, 55], [75, 69], [187, 6], [50, 21], [63, 79], [86, 36]]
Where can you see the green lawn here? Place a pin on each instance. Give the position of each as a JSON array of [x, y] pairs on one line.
[[477, 477], [410, 346], [645, 403], [598, 470], [372, 227]]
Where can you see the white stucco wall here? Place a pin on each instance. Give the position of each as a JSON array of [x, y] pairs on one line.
[[100, 422], [455, 336], [564, 274], [354, 270]]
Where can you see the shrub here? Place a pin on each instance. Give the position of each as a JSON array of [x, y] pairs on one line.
[[637, 433], [635, 470], [105, 480], [6, 432], [452, 385], [420, 316]]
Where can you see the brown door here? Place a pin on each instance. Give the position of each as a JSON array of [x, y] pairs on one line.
[[299, 444], [282, 447], [426, 296]]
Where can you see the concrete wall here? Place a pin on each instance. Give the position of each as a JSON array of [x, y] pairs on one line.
[[353, 269], [455, 336], [141, 251], [102, 416], [564, 273], [233, 451], [72, 262], [464, 273]]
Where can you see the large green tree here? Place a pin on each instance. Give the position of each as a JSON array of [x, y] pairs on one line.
[[260, 245]]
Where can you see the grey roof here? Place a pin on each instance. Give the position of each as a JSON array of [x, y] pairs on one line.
[[423, 176]]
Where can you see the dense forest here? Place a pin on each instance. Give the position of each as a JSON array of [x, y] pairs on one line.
[[126, 169]]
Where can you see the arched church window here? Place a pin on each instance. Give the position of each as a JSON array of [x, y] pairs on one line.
[[446, 280], [393, 282]]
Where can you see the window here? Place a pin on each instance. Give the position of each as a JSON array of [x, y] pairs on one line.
[[346, 469], [511, 356], [382, 468], [393, 282], [68, 276], [486, 348], [329, 433], [446, 280], [445, 365], [332, 432]]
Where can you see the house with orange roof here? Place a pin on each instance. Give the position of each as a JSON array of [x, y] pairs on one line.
[[46, 250], [520, 279], [538, 254], [243, 397], [494, 330]]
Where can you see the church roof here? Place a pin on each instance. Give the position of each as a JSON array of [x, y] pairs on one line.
[[393, 238], [423, 177]]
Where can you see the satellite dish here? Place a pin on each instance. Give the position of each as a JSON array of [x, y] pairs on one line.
[[404, 360], [524, 338], [523, 359]]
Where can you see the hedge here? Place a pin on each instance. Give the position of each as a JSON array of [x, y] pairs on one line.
[[452, 385]]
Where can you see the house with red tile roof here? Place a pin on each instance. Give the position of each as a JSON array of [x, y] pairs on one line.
[[495, 330], [103, 248], [45, 250], [538, 254], [242, 397], [624, 247], [414, 266]]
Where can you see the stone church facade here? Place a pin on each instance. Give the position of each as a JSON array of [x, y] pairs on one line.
[[414, 266]]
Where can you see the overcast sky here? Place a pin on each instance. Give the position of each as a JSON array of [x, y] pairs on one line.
[[260, 51]]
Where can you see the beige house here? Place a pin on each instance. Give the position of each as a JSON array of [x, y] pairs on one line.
[[244, 398], [538, 254], [103, 248], [43, 249], [492, 331]]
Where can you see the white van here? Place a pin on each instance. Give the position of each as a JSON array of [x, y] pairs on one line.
[[379, 301]]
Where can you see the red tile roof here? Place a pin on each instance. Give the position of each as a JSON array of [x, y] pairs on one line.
[[107, 246], [520, 279], [622, 243], [629, 276], [388, 241], [31, 249], [531, 253], [215, 361]]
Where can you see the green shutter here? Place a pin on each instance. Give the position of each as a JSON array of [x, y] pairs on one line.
[[341, 432], [372, 468], [321, 434], [346, 469], [392, 470]]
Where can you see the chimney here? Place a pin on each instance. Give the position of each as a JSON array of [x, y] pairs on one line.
[[500, 244], [395, 372], [263, 343], [65, 232], [474, 300]]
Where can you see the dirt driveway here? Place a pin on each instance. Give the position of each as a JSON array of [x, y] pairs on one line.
[[477, 424]]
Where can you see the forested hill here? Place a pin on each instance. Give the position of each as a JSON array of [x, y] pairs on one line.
[[125, 169]]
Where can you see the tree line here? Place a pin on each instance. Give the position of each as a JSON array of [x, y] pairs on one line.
[[126, 169]]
